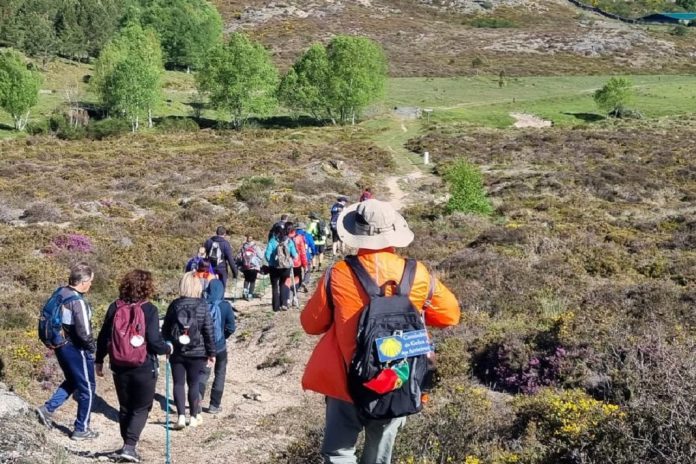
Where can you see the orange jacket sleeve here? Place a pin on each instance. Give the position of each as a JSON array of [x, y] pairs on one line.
[[444, 308], [317, 315]]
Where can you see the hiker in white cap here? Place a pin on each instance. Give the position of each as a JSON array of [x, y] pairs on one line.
[[368, 389]]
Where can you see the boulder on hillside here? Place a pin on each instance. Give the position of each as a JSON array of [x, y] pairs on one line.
[[10, 404]]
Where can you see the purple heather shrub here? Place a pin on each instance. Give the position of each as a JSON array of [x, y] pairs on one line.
[[76, 243]]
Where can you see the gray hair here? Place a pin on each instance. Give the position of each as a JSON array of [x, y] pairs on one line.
[[80, 272]]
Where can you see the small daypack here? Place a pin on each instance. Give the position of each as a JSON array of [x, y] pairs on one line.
[[283, 257], [186, 323], [128, 346], [51, 319], [321, 232], [249, 258], [391, 327], [216, 316], [215, 253]]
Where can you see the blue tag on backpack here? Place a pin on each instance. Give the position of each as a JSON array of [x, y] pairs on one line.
[[404, 345]]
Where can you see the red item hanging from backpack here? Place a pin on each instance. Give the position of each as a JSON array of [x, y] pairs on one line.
[[127, 346]]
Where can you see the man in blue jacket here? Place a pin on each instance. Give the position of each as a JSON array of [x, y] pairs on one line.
[[222, 314], [75, 356], [220, 254]]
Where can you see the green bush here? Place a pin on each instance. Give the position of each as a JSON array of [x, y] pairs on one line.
[[40, 127], [106, 128], [680, 30], [466, 187], [254, 189], [177, 125], [615, 95], [62, 128]]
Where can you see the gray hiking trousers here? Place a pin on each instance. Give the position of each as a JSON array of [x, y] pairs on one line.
[[342, 430]]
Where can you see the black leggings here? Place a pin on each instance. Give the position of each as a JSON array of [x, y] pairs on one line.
[[280, 291], [135, 389], [297, 276], [187, 370], [250, 280]]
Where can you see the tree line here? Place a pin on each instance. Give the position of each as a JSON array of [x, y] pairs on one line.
[[80, 29], [332, 82]]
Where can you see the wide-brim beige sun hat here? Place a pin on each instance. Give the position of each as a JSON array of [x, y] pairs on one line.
[[374, 225]]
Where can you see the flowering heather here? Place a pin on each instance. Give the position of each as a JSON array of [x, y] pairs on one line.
[[72, 242]]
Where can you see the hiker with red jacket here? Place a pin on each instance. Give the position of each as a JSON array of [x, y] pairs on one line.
[[367, 194], [250, 259], [220, 254], [301, 263], [384, 296], [301, 229], [132, 356]]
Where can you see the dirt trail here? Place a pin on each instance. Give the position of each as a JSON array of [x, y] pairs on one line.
[[523, 120], [399, 198]]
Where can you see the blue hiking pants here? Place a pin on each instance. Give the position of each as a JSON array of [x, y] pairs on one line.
[[78, 368]]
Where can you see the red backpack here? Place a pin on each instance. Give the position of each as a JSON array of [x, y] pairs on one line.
[[127, 346]]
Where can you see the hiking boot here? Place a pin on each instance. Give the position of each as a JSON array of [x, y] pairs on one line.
[[84, 435], [303, 287], [128, 454], [283, 308], [196, 421], [180, 424], [45, 417], [214, 409]]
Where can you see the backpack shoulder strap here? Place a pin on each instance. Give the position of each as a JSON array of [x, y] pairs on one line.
[[75, 296], [431, 291], [327, 288], [408, 277], [367, 282]]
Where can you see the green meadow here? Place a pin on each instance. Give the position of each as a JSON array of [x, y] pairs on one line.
[[480, 101]]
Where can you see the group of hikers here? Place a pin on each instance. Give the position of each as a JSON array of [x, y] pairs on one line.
[[294, 250], [374, 299]]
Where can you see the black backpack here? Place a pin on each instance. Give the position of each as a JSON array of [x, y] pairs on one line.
[[186, 323], [384, 320]]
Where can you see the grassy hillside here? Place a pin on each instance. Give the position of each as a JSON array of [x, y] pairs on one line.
[[532, 37]]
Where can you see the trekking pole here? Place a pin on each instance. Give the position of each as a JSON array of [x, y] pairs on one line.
[[234, 289], [167, 444], [295, 300]]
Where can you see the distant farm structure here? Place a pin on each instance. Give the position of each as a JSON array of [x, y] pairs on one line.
[[669, 18]]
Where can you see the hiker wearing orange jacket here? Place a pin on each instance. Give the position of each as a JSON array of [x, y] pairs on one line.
[[376, 229]]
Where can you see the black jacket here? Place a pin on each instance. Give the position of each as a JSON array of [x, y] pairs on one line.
[[155, 343], [227, 254], [205, 324]]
